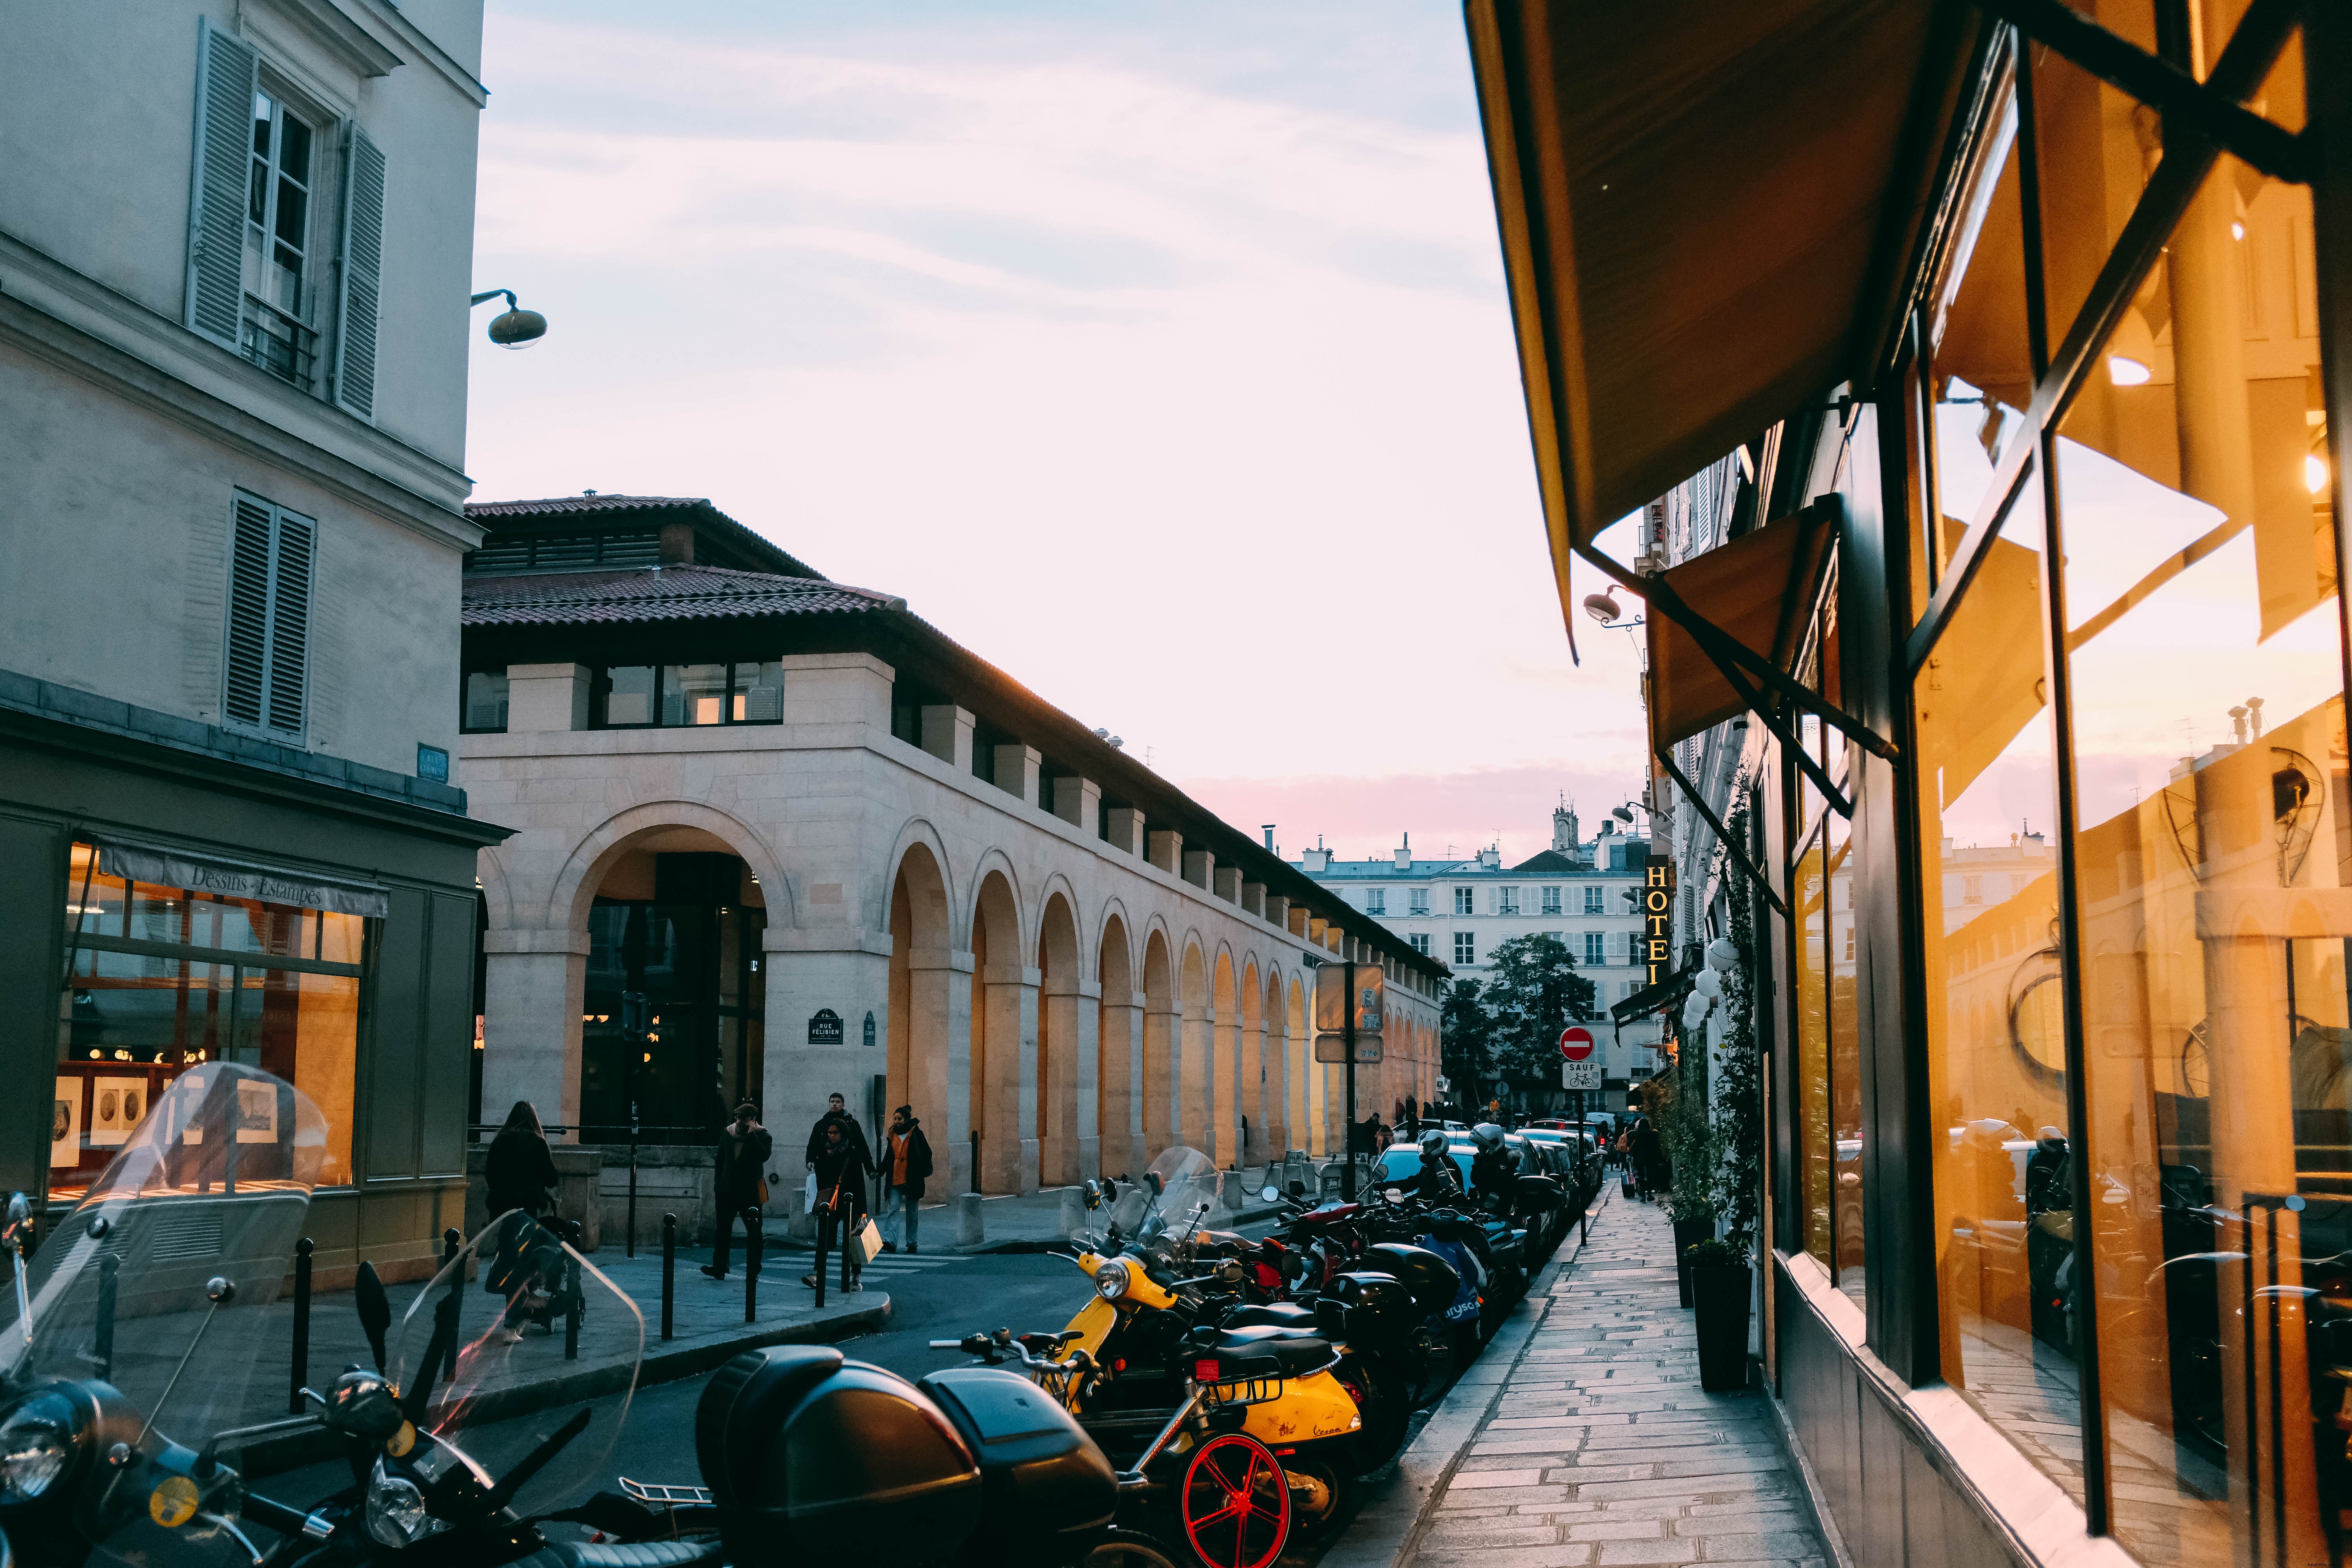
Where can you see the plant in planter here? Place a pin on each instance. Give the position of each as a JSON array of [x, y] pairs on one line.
[[1719, 1291], [1698, 1153]]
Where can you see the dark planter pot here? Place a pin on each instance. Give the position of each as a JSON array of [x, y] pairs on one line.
[[1687, 1232], [1720, 1294]]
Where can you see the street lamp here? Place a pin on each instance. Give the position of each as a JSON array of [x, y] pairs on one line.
[[1605, 608], [515, 328]]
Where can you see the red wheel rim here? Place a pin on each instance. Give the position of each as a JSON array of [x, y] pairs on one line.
[[1236, 1503]]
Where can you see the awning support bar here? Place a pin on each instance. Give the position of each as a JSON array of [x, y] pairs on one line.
[[1724, 651], [2161, 85], [1723, 833]]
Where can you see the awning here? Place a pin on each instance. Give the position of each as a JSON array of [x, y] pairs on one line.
[[1758, 590], [1667, 993], [1705, 212], [195, 872]]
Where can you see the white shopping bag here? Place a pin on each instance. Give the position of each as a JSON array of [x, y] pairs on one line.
[[808, 1195]]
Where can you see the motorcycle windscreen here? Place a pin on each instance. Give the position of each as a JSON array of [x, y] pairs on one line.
[[493, 1325], [162, 1280]]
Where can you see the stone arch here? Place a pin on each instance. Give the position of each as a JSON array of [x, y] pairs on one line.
[[1118, 1044], [1162, 1023], [574, 892], [1191, 1067], [1003, 1038], [921, 1032], [1061, 982], [994, 862]]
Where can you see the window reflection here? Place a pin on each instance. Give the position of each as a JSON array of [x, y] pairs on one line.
[[1845, 1100], [2215, 857], [1996, 1057], [1815, 1177]]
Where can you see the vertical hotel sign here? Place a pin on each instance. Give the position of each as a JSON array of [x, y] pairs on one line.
[[1657, 919]]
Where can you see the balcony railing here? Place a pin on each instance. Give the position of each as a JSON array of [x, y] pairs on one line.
[[278, 343]]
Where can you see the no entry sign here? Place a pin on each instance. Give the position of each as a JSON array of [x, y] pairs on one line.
[[1575, 1043]]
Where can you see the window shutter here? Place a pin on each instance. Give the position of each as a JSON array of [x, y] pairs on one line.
[[290, 621], [270, 577], [228, 73], [359, 271], [248, 614]]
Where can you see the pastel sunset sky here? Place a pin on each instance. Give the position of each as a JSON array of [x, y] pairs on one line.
[[1158, 354]]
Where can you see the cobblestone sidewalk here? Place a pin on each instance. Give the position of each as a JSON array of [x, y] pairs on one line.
[[1600, 1446]]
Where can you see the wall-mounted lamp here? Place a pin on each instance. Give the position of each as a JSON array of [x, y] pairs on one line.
[[2131, 353], [516, 328], [1605, 609]]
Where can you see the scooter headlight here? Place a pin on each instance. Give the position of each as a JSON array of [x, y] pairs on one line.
[[37, 1444], [396, 1514], [1112, 1281]]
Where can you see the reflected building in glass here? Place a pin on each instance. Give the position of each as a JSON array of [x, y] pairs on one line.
[[2043, 328]]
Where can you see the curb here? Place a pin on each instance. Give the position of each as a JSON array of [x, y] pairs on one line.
[[662, 1363], [1388, 1528]]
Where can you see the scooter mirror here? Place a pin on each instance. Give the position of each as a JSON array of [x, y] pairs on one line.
[[1094, 1194], [1157, 1187], [1269, 1193], [1110, 1191]]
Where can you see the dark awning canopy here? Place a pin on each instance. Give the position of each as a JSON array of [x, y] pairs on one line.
[[1705, 212], [1756, 590]]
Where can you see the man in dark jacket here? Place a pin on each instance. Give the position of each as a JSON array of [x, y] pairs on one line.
[[837, 1109], [908, 1156], [743, 1151], [842, 1171]]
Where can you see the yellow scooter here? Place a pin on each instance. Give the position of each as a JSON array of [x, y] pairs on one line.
[[1145, 1331]]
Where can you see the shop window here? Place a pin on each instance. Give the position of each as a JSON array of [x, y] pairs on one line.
[[1996, 1057], [2214, 892], [1815, 1175], [163, 979]]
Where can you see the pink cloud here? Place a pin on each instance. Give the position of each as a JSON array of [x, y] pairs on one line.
[[1362, 817]]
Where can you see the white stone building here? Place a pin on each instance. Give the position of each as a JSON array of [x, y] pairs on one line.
[[835, 847], [234, 253], [1580, 890]]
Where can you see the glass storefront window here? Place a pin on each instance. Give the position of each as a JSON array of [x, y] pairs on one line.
[[2095, 147], [2214, 844], [1815, 1177], [1844, 1096], [625, 695], [1996, 1044], [694, 694], [636, 696], [484, 711], [758, 693], [184, 978]]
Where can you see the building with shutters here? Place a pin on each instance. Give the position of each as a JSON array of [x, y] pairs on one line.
[[841, 853], [234, 252], [1580, 890]]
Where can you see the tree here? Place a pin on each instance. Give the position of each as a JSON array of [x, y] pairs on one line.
[[1467, 1036], [1535, 993]]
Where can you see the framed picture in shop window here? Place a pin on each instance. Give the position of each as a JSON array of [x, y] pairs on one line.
[[116, 1104], [257, 1112], [65, 1126]]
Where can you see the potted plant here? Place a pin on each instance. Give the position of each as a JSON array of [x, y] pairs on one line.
[[1693, 1221], [1720, 1292]]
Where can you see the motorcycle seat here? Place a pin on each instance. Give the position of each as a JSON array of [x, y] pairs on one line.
[[638, 1553], [1293, 1355], [1271, 1315]]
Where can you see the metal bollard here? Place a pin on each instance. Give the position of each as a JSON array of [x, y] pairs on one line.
[[452, 1243], [751, 1249], [108, 1266], [572, 1302], [669, 1267], [301, 1326], [824, 1234]]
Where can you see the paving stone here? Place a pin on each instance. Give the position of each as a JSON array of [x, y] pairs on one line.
[[1648, 1551]]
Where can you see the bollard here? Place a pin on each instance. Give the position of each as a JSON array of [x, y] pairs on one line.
[[572, 1302], [970, 1231], [108, 1266], [451, 1243], [301, 1326], [1072, 1218], [824, 1234], [751, 1269], [669, 1267]]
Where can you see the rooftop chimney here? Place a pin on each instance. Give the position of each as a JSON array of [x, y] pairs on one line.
[[1269, 836], [1404, 854]]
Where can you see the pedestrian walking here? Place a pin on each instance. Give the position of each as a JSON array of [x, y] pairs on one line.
[[837, 1110], [1649, 1150], [743, 1151], [843, 1170], [909, 1167], [516, 1171]]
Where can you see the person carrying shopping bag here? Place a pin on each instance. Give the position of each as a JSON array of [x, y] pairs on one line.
[[909, 1153], [842, 1171]]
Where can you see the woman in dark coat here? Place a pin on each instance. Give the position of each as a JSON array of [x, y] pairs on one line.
[[842, 1171], [518, 1171]]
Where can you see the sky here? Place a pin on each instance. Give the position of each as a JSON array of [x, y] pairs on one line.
[[1160, 355]]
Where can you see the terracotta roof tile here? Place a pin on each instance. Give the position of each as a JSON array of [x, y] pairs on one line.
[[657, 593]]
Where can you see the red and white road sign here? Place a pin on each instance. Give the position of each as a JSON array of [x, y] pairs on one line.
[[1575, 1043]]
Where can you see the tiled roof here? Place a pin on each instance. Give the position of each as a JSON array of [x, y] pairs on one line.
[[657, 594], [555, 506]]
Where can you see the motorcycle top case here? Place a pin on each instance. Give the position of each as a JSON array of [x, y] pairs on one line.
[[807, 1452], [1043, 1480], [1431, 1279], [1374, 1310]]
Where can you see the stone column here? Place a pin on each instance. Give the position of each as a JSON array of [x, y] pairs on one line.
[[1160, 1090], [939, 1058], [1126, 830], [1085, 1096], [1122, 1081], [810, 972], [1196, 1098], [533, 988], [1008, 1143], [1014, 770], [1065, 1060], [1165, 851], [947, 735], [1078, 801]]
